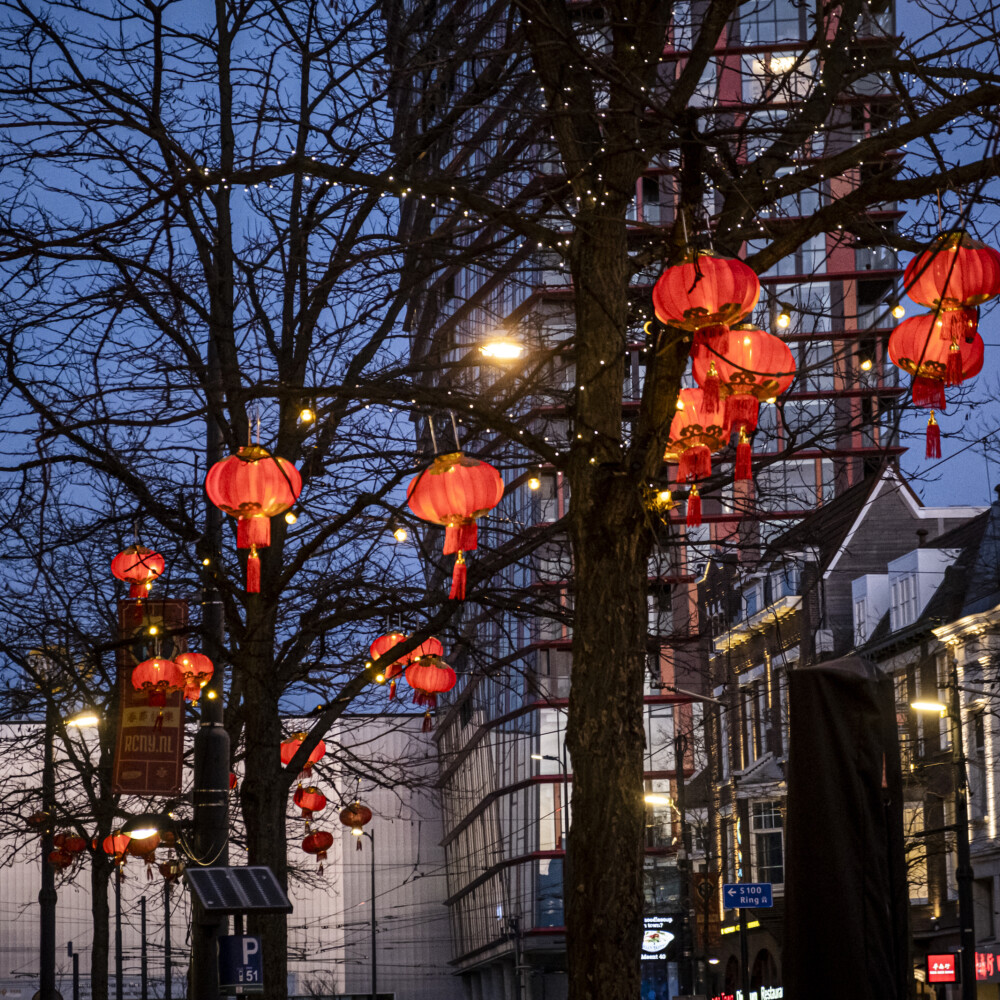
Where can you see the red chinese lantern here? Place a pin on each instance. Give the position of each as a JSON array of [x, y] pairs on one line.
[[233, 780], [318, 842], [356, 816], [310, 800], [917, 347], [158, 677], [116, 847], [758, 366], [171, 870], [454, 492], [61, 859], [705, 293], [956, 273], [429, 676], [197, 668], [69, 842], [694, 436], [290, 747], [192, 692], [138, 567], [38, 819], [253, 486], [145, 848], [378, 650]]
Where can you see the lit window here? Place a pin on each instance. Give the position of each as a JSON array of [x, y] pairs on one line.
[[768, 842]]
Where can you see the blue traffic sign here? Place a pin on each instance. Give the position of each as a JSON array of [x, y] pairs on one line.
[[241, 965], [746, 895]]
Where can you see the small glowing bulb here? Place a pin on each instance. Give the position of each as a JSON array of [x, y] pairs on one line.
[[783, 320], [898, 311], [356, 831], [534, 483], [380, 678], [866, 365], [663, 496], [291, 517], [400, 534], [206, 561], [680, 404], [153, 630], [771, 399], [746, 341], [307, 415]]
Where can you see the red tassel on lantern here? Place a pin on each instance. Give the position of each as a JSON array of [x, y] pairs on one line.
[[427, 727], [359, 843], [954, 375], [741, 411], [457, 592], [253, 572], [933, 437], [928, 393], [744, 467], [710, 390], [392, 690], [694, 508]]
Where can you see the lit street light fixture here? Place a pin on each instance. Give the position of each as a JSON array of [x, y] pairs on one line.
[[963, 870], [501, 349]]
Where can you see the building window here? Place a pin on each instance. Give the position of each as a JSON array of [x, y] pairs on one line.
[[903, 610], [768, 842]]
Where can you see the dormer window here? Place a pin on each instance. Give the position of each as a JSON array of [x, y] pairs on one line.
[[904, 606]]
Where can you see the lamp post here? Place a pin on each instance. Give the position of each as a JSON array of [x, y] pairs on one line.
[[47, 894], [357, 831], [963, 870]]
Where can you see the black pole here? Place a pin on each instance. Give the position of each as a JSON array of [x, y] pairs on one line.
[[211, 833], [143, 968], [47, 893], [167, 984], [963, 871], [119, 965], [685, 967], [371, 837], [76, 976], [744, 955]]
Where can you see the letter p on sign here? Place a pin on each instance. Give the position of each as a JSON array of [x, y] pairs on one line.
[[250, 947]]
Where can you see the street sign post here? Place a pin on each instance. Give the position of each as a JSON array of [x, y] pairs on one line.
[[746, 895], [241, 965]]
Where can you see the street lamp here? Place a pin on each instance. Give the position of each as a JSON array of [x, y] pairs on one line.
[[47, 893], [501, 349], [963, 870], [357, 831]]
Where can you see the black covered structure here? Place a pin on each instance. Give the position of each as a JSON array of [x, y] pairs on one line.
[[846, 899]]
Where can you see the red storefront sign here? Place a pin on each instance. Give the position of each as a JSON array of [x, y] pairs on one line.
[[988, 966], [148, 755], [942, 968]]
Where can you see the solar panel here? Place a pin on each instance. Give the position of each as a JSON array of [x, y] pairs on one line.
[[238, 890]]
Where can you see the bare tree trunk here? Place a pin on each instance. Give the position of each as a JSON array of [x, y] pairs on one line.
[[610, 551], [100, 912]]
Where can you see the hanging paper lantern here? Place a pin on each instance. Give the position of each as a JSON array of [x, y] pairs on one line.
[[158, 677], [705, 293], [955, 273], [116, 847], [378, 650], [318, 842], [38, 820], [917, 347], [61, 859], [145, 848], [69, 842], [757, 366], [356, 816], [171, 870], [138, 567], [429, 676], [197, 668], [454, 492], [310, 800], [253, 486], [290, 748], [192, 692], [694, 436]]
